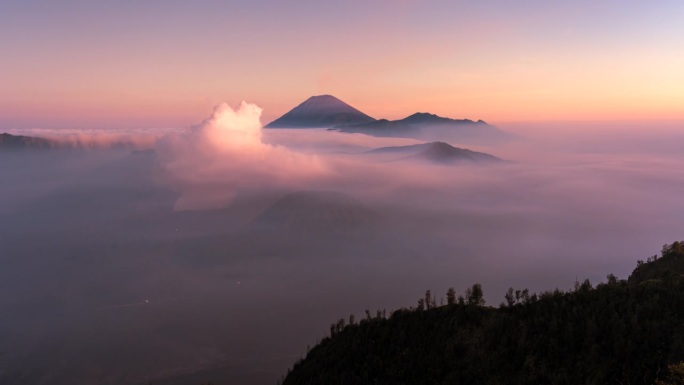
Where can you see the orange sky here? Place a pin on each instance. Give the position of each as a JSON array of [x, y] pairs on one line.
[[168, 63]]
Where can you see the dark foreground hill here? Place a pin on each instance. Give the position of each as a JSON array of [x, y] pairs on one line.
[[320, 112], [619, 332]]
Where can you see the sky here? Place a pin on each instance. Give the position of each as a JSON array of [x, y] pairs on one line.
[[150, 64]]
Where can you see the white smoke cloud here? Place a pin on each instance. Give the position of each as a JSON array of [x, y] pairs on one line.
[[211, 162]]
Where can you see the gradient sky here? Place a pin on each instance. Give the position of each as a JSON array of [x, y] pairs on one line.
[[144, 63]]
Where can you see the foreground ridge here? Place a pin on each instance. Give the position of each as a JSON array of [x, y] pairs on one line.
[[621, 331]]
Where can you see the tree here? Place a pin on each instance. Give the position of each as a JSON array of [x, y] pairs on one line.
[[475, 296], [451, 296], [585, 286], [510, 297], [526, 296], [428, 299]]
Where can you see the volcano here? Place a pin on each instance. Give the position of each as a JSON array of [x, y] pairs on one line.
[[321, 111]]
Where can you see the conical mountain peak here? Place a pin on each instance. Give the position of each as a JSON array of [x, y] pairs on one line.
[[320, 111]]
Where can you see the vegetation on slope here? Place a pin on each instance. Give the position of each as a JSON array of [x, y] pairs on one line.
[[619, 332]]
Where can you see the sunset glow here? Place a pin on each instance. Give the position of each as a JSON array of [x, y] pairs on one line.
[[66, 64], [341, 192]]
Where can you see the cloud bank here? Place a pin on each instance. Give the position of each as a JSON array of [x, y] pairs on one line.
[[570, 205], [210, 163]]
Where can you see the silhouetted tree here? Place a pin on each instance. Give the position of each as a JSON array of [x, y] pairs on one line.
[[526, 296], [340, 325], [475, 295], [428, 299], [451, 296], [510, 297], [585, 286]]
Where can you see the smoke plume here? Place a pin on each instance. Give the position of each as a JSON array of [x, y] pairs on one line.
[[211, 162]]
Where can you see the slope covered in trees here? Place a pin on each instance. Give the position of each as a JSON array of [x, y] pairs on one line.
[[619, 332]]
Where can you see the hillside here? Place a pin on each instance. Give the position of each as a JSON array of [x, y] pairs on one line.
[[619, 332]]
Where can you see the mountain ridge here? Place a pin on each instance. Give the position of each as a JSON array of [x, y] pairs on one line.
[[428, 126], [421, 118]]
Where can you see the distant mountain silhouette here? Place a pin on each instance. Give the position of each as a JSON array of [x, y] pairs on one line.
[[424, 118], [19, 142], [405, 150], [321, 112], [311, 214], [444, 153], [427, 126], [437, 152], [383, 128]]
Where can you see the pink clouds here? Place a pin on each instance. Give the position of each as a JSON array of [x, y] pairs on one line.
[[211, 162]]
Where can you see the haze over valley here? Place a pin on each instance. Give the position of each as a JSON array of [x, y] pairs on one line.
[[326, 192], [220, 251]]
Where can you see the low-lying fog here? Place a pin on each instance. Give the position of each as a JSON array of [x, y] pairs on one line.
[[225, 250]]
